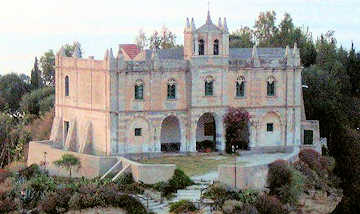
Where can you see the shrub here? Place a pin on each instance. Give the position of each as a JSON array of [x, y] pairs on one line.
[[7, 205], [269, 205], [7, 185], [49, 203], [327, 163], [183, 206], [4, 174], [279, 174], [42, 183], [248, 209], [248, 196], [75, 201], [129, 203], [68, 161], [291, 193], [219, 193], [125, 179], [312, 158], [180, 180], [230, 206], [236, 121], [30, 171]]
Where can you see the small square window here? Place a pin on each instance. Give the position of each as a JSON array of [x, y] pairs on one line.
[[269, 127], [137, 131]]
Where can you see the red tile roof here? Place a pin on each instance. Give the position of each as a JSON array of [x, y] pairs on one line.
[[130, 49]]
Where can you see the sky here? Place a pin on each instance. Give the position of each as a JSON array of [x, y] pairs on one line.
[[30, 28]]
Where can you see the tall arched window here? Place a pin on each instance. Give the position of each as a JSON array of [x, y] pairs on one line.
[[139, 90], [240, 87], [201, 47], [67, 84], [171, 89], [209, 86], [271, 86], [216, 47]]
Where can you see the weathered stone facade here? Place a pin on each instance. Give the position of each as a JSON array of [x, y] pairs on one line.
[[136, 104]]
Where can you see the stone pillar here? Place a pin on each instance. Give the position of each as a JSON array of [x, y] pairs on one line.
[[196, 45], [220, 135], [183, 132], [192, 142], [156, 136], [253, 132]]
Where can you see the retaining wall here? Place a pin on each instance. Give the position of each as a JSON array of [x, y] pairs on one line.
[[250, 176], [150, 173], [91, 165]]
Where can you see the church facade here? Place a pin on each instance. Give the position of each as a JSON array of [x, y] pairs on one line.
[[144, 101]]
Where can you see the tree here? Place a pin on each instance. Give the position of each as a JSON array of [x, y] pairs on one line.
[[141, 40], [13, 137], [68, 162], [47, 63], [242, 38], [163, 39], [236, 121], [38, 101], [12, 87], [69, 49], [36, 76], [265, 29]]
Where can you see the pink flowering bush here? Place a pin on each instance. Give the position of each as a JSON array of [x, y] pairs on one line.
[[236, 122]]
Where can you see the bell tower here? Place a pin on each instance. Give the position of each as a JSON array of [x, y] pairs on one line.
[[207, 40]]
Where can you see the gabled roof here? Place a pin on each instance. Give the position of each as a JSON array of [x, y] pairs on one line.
[[130, 49], [208, 28]]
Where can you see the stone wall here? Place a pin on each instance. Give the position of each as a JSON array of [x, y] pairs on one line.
[[91, 166], [150, 173], [249, 176]]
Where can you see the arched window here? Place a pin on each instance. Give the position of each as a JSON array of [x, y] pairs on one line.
[[216, 47], [209, 86], [171, 89], [201, 47], [240, 87], [139, 90], [67, 84], [271, 86]]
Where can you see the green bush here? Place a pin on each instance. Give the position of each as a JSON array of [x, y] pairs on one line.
[[125, 179], [230, 206], [279, 174], [180, 180], [183, 206], [291, 193]]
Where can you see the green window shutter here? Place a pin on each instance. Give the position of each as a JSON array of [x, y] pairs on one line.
[[308, 137]]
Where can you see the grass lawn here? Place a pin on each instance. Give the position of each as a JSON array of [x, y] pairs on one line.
[[195, 164]]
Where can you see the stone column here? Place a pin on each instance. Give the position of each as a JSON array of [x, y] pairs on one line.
[[220, 135], [156, 136], [192, 142], [196, 45], [253, 132]]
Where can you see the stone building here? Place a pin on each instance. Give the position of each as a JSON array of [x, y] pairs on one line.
[[145, 101]]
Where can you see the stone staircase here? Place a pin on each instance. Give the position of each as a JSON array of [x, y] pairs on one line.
[[191, 193]]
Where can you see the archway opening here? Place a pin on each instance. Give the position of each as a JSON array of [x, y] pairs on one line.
[[170, 134], [206, 133]]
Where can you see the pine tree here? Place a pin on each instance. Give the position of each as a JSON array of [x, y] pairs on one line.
[[35, 76]]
